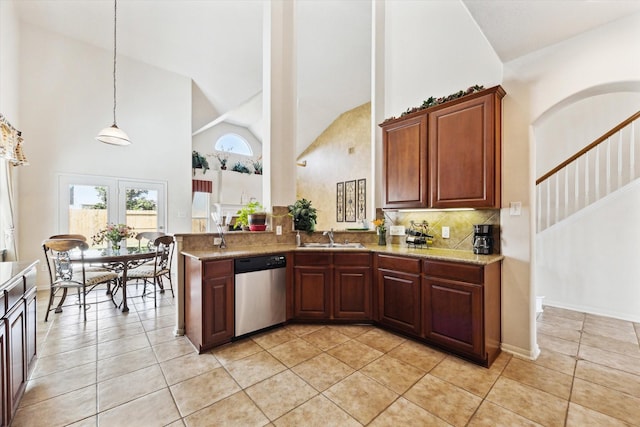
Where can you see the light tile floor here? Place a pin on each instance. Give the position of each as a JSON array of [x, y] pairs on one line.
[[128, 369]]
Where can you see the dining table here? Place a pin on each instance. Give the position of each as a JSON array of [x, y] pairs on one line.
[[118, 261]]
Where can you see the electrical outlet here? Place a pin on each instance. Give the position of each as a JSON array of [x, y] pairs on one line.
[[217, 240], [278, 230], [445, 232]]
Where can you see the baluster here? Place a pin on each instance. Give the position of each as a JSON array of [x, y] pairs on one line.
[[566, 192], [539, 209], [548, 202], [596, 174], [608, 167], [619, 160], [632, 153], [556, 197], [576, 192], [586, 179]]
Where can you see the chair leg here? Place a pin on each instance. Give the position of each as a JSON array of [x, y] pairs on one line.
[[51, 296], [171, 285], [64, 296], [84, 302]]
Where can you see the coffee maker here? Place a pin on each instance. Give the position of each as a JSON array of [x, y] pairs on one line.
[[482, 239]]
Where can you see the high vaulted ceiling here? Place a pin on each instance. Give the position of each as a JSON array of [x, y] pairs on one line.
[[218, 43]]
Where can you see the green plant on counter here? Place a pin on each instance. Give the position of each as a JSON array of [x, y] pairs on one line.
[[248, 209], [304, 216]]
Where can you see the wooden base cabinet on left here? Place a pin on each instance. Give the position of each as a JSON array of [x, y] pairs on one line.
[[209, 302]]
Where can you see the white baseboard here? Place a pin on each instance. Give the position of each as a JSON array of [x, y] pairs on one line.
[[518, 351], [593, 310]]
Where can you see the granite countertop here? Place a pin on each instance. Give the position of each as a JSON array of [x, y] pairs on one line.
[[431, 253], [10, 270]]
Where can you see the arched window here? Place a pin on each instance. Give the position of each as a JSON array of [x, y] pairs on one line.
[[233, 143]]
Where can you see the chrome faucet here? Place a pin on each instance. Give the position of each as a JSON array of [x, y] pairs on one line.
[[330, 234]]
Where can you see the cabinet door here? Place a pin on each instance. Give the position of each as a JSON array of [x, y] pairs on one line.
[[399, 300], [464, 155], [218, 305], [312, 293], [3, 373], [453, 315], [405, 163], [32, 321], [17, 357], [352, 293]]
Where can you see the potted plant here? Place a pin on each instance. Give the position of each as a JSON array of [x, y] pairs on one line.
[[257, 165], [304, 216], [198, 161], [222, 157], [240, 167], [252, 216]]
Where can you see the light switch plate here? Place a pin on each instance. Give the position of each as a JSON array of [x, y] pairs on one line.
[[515, 208], [397, 230], [217, 241], [445, 232], [278, 230]]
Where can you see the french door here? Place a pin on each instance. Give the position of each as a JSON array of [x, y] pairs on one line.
[[88, 203]]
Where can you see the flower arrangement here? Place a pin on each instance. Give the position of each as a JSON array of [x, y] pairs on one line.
[[223, 157], [380, 225], [113, 233], [257, 165]]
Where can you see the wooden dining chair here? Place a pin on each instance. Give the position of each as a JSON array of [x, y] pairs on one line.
[[65, 273], [88, 267], [154, 272]]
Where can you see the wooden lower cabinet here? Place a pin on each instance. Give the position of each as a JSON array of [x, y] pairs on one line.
[[398, 289], [332, 285], [461, 308], [16, 324], [209, 302], [352, 286]]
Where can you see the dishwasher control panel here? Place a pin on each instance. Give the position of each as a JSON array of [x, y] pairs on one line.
[[257, 263]]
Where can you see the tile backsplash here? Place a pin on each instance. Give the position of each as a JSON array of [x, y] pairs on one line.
[[460, 225]]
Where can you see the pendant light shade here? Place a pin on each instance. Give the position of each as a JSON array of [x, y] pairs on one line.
[[112, 134]]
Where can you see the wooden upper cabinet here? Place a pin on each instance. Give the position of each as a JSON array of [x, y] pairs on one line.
[[465, 151], [446, 156], [405, 163]]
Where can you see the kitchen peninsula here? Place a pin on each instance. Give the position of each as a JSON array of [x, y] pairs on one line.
[[441, 297]]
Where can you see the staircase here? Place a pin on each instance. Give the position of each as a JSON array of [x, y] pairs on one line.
[[602, 167]]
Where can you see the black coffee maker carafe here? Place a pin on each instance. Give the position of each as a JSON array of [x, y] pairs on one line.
[[482, 239]]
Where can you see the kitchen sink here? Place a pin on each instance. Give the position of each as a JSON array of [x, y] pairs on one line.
[[312, 245]]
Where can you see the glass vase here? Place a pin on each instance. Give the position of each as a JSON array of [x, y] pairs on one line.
[[115, 246], [382, 238]]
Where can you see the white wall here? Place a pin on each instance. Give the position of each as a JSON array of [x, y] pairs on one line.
[[589, 261], [66, 97], [604, 60], [9, 60]]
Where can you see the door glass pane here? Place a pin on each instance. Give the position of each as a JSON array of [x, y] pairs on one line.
[[200, 212], [87, 209], [141, 210]]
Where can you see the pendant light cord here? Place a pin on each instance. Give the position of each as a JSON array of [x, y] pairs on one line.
[[115, 25]]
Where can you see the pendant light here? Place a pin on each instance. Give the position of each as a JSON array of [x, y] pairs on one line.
[[112, 134]]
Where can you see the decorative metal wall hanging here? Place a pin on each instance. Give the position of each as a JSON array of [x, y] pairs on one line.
[[362, 199], [340, 202], [350, 201]]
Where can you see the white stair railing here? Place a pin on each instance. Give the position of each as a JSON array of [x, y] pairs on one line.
[[597, 170]]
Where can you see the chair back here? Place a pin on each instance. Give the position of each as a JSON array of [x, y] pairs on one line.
[[149, 236], [164, 252], [59, 262], [69, 236]]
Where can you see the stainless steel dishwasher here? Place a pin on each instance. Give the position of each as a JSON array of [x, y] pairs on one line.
[[260, 292]]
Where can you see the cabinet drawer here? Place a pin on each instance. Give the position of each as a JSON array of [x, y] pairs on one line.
[[454, 271], [408, 265], [312, 259], [351, 259], [218, 268]]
